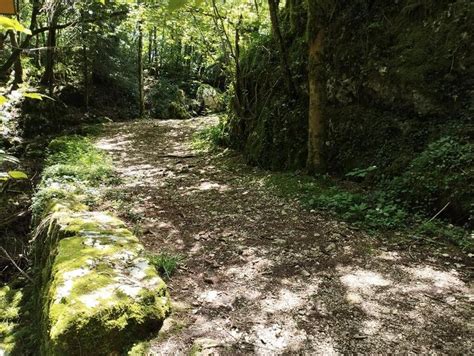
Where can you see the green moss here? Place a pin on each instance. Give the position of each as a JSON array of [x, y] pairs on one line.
[[139, 349], [97, 288], [10, 301], [96, 293]]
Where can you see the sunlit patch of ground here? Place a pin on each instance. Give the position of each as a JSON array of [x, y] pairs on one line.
[[264, 276]]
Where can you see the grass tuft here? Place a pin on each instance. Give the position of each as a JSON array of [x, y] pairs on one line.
[[166, 263]]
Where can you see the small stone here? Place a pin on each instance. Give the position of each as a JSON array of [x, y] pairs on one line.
[[305, 273], [330, 247]]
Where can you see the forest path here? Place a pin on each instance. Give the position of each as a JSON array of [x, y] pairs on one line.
[[261, 274]]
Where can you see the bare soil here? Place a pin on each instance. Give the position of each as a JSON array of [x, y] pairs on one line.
[[262, 275]]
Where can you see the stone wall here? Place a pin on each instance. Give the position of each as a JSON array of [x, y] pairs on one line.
[[96, 292]]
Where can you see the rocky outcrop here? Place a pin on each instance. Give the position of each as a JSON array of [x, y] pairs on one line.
[[209, 98]]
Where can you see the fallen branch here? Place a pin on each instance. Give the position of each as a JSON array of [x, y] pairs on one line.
[[13, 217], [439, 212], [177, 156], [15, 264]]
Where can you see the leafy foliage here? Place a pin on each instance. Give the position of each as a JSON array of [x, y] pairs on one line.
[[73, 160], [212, 137], [166, 263], [443, 173], [373, 210]]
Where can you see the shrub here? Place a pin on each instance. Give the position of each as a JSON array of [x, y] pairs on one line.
[[213, 136], [74, 158], [443, 173]]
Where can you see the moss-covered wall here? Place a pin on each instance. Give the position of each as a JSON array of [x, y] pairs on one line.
[[96, 292], [393, 71], [399, 75], [394, 77]]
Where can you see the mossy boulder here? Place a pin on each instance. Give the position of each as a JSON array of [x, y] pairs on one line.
[[98, 294], [210, 98]]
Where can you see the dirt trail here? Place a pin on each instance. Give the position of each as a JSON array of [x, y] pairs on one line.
[[264, 276]]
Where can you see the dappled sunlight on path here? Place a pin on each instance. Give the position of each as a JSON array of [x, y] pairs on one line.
[[264, 276]]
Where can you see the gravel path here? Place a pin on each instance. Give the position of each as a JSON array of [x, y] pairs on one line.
[[264, 276]]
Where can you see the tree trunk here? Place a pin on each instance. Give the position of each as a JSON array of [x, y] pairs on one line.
[[316, 123], [240, 105], [155, 45], [48, 76], [273, 7], [150, 46], [296, 12], [18, 79], [141, 100], [17, 51], [85, 61]]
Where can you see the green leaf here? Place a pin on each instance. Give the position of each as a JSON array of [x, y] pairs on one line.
[[36, 96], [7, 24], [3, 100], [8, 158], [17, 175]]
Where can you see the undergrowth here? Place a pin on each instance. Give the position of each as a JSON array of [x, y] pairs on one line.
[[9, 317], [166, 263], [212, 137], [17, 335], [373, 210], [74, 168], [74, 158], [437, 184]]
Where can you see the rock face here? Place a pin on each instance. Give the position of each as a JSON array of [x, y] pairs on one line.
[[98, 293], [209, 98]]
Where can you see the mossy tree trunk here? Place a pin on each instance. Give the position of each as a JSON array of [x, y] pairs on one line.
[[316, 121], [85, 60], [296, 11]]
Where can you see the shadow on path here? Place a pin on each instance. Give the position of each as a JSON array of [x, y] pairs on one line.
[[264, 276]]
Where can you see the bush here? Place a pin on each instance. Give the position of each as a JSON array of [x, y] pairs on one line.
[[443, 173], [73, 160], [213, 136]]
